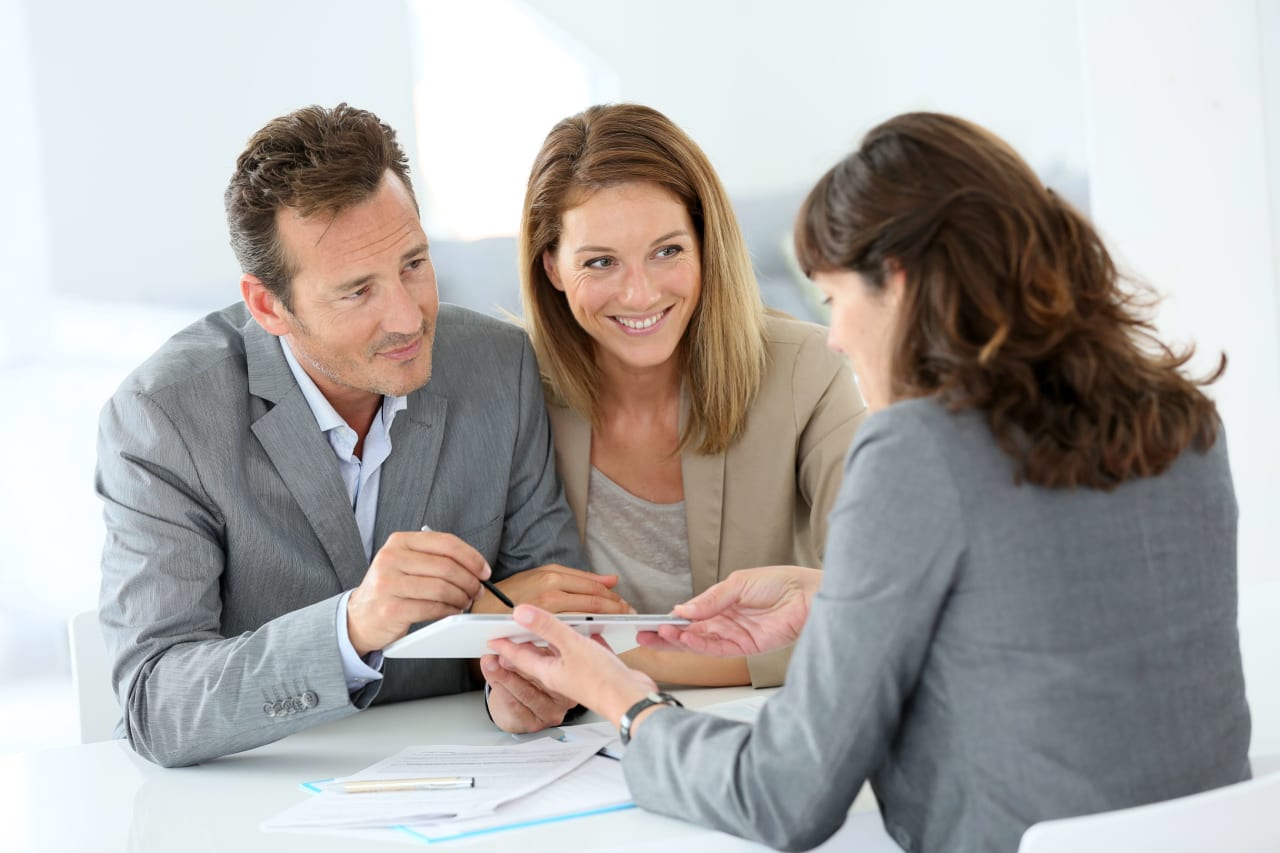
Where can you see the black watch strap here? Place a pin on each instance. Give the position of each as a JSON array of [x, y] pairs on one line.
[[624, 725]]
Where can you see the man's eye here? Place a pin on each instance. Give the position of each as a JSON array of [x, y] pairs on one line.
[[357, 294], [415, 265]]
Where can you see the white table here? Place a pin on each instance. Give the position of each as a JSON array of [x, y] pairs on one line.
[[103, 797]]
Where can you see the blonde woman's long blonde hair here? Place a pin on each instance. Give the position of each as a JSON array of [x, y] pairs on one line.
[[723, 350]]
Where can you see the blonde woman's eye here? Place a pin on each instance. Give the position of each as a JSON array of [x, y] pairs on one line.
[[670, 251], [600, 263]]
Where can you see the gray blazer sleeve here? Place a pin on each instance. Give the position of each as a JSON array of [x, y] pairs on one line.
[[189, 694], [788, 781]]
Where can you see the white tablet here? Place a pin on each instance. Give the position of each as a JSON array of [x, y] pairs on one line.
[[467, 635]]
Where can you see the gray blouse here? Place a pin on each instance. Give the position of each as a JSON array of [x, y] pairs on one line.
[[989, 655], [646, 544]]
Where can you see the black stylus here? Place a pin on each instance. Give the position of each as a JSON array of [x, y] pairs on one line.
[[489, 585]]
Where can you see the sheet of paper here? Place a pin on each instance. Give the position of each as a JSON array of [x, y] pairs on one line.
[[502, 773], [594, 787], [613, 747]]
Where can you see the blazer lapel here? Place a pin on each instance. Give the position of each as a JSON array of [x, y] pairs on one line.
[[301, 456], [409, 472], [572, 436], [703, 506]]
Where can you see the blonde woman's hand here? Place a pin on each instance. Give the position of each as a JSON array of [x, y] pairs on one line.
[[558, 589]]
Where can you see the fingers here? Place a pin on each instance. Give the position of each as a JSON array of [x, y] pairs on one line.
[[608, 580], [569, 581], [451, 587], [703, 641], [442, 545], [710, 601], [546, 626], [545, 665], [519, 704], [652, 640], [559, 589], [562, 602], [414, 577]]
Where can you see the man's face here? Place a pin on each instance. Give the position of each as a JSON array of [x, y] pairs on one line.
[[364, 298]]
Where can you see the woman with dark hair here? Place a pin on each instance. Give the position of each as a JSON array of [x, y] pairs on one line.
[[1029, 603]]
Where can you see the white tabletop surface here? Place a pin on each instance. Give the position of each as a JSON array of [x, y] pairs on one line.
[[103, 797]]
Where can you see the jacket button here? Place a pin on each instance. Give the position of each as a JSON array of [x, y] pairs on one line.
[[309, 699]]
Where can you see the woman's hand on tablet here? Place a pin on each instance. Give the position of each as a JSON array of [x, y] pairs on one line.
[[557, 589], [750, 612], [584, 670]]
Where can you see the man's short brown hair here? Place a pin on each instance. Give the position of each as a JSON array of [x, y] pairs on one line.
[[314, 161]]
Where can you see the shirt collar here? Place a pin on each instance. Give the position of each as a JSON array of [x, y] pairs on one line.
[[325, 414]]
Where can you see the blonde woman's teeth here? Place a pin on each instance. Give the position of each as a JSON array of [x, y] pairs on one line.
[[640, 323]]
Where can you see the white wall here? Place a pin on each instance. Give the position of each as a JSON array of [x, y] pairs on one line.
[[1180, 182], [122, 124], [24, 233], [777, 92], [143, 106]]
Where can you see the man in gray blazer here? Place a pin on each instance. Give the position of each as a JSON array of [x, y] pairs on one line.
[[268, 474]]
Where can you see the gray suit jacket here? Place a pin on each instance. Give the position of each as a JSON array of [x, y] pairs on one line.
[[990, 655], [230, 536]]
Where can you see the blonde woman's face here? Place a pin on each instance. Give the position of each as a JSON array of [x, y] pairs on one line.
[[863, 318], [630, 267]]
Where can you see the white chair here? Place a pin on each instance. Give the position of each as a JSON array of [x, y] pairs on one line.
[[1240, 818], [1259, 639], [91, 677]]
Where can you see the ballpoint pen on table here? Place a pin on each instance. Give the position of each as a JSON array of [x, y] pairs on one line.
[[373, 786], [489, 585]]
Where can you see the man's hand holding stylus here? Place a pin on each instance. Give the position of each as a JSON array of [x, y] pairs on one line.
[[415, 577]]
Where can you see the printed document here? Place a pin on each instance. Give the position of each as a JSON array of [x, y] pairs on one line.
[[502, 773]]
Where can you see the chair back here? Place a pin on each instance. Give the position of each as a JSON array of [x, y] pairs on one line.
[[1240, 818], [91, 678], [1259, 639]]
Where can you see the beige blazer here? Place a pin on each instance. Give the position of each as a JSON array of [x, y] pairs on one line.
[[765, 500]]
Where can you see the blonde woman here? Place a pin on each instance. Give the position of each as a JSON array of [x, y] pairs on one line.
[[696, 432]]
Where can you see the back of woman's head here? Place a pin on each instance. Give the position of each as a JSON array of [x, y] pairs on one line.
[[1011, 303], [723, 349]]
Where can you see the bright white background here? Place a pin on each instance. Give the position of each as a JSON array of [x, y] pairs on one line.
[[122, 121]]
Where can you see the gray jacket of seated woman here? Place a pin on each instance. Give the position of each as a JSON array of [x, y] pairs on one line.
[[989, 655]]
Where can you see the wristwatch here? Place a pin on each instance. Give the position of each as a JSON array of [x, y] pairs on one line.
[[624, 725]]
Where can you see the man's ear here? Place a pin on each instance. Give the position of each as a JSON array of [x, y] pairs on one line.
[[549, 266], [264, 305]]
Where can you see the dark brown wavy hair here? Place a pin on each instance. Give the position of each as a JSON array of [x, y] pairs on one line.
[[1012, 304]]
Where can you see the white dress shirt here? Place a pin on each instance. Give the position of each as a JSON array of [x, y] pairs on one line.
[[361, 476]]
